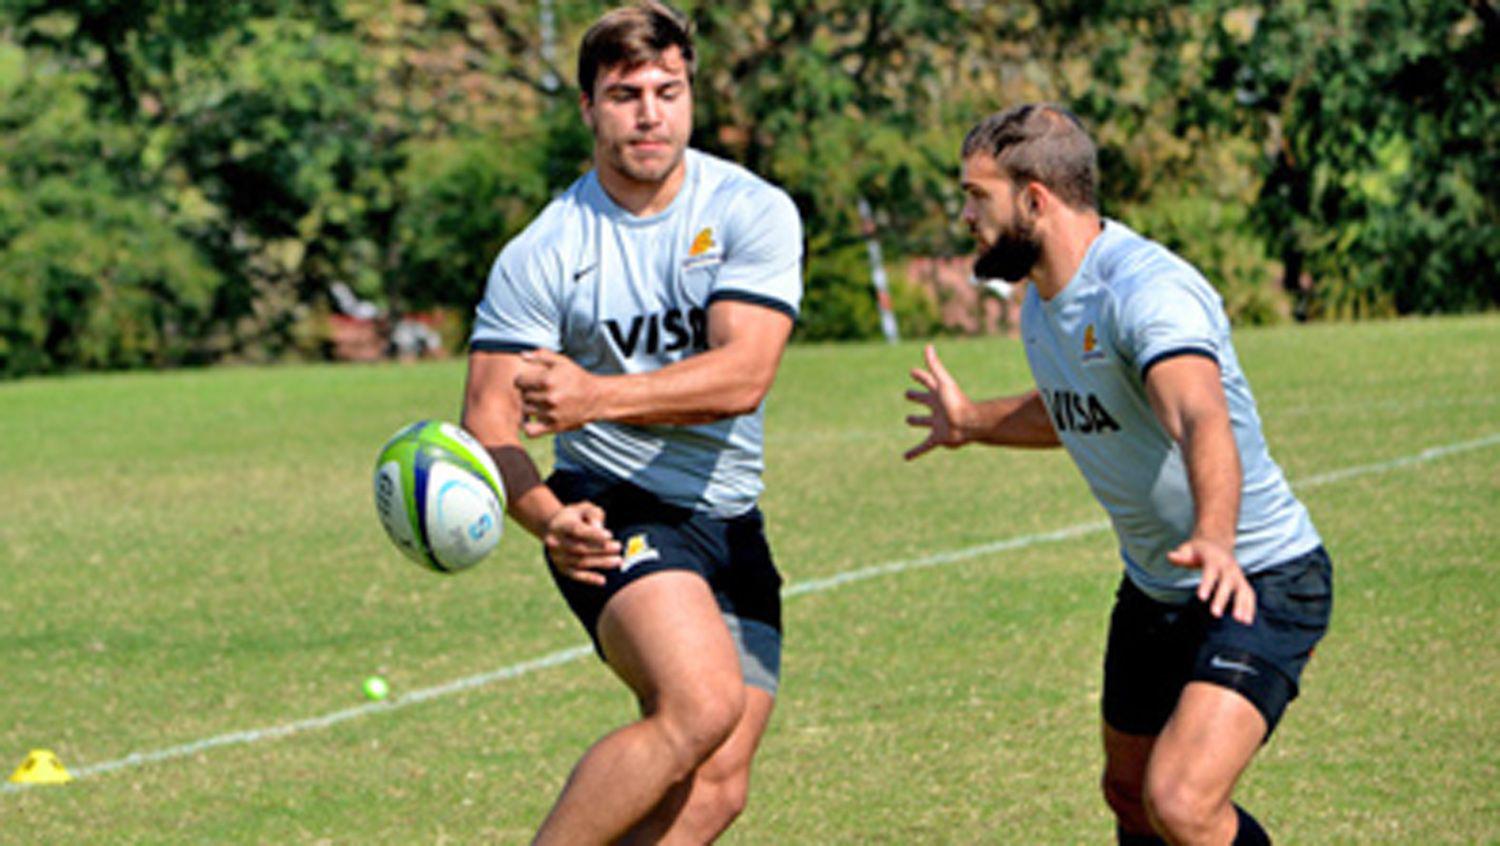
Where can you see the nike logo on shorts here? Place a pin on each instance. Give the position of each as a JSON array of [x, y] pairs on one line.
[[1221, 664]]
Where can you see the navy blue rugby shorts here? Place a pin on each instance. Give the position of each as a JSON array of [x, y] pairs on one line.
[[1156, 648], [731, 554]]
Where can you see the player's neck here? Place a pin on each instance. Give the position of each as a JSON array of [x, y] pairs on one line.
[[1063, 249], [641, 199]]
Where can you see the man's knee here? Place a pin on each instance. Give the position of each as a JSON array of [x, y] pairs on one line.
[[696, 723], [723, 799], [1180, 808]]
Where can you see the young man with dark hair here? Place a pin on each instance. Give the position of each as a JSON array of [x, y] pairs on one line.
[[641, 318], [1227, 587]]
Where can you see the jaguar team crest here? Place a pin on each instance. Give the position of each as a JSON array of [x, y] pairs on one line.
[[704, 251], [637, 550], [1091, 351], [702, 243]]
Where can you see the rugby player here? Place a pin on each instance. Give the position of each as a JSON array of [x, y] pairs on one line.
[[1227, 587], [641, 318]]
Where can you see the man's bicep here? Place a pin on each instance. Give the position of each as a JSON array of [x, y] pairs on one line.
[[755, 335], [756, 327], [492, 405], [1185, 387]]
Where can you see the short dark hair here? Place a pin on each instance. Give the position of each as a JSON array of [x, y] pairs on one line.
[[1040, 142], [633, 35]]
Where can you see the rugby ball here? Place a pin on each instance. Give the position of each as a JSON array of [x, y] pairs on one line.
[[439, 496]]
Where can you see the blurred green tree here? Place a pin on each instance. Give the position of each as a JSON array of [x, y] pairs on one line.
[[92, 274], [1382, 189], [217, 167], [834, 100]]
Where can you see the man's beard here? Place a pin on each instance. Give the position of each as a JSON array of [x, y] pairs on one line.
[[647, 171], [1011, 257]]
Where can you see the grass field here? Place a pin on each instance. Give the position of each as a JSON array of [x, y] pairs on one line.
[[188, 555]]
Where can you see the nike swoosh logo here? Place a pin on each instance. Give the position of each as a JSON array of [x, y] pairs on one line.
[[1220, 664], [579, 274]]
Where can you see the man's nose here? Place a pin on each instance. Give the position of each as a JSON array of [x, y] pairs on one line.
[[648, 111]]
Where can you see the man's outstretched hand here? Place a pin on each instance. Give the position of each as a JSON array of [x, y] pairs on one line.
[[947, 406]]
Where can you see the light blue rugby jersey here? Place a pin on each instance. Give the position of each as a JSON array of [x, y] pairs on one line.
[[1131, 304], [618, 294]]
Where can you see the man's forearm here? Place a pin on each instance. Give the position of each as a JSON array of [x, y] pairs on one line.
[[528, 501], [1016, 421], [710, 386], [1214, 475]]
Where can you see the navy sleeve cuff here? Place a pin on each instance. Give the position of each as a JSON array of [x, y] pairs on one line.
[[754, 299], [1173, 353], [499, 346]]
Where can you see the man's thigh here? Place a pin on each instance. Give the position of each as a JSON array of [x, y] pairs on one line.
[[1208, 742], [729, 555], [665, 636]]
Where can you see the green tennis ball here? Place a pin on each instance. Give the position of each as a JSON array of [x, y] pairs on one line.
[[376, 689]]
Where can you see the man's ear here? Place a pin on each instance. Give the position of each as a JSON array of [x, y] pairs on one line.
[[1026, 205], [583, 110], [1036, 198]]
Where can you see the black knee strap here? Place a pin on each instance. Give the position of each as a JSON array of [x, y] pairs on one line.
[[1250, 833], [1125, 838]]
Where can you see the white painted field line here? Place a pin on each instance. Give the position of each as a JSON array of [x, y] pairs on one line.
[[937, 559], [1429, 454], [573, 653], [1079, 529], [136, 759]]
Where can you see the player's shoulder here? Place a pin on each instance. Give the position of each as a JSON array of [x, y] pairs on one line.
[[555, 236], [736, 187], [1132, 265]]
